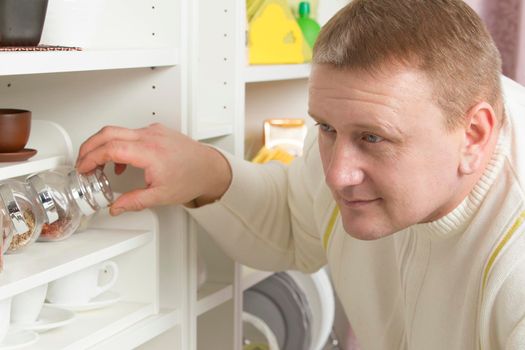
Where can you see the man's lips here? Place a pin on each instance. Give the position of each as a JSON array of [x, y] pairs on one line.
[[356, 203]]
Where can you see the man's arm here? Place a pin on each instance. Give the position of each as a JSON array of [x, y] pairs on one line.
[[267, 218], [177, 169]]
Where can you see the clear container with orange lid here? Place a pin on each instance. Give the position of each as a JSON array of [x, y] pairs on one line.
[[286, 133]]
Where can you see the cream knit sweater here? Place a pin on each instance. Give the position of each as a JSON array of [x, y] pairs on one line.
[[456, 283]]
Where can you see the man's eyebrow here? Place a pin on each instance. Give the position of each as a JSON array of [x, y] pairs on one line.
[[382, 126], [314, 117]]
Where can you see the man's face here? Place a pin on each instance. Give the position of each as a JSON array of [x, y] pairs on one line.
[[387, 156]]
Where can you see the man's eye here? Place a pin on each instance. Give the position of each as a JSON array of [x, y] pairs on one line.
[[325, 127], [371, 138]]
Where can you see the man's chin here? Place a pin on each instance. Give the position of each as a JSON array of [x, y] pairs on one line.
[[368, 233]]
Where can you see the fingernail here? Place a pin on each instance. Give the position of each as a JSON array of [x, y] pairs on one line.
[[116, 211]]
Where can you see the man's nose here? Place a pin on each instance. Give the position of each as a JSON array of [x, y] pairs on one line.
[[344, 168]]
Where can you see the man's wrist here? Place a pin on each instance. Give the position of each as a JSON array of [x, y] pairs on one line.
[[221, 175]]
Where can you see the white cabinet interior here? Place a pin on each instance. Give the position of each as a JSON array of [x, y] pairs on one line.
[[110, 81]]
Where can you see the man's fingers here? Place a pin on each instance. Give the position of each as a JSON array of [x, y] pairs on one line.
[[106, 134], [122, 152], [134, 201]]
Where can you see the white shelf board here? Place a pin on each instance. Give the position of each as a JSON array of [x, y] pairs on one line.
[[91, 327], [213, 294], [43, 262], [251, 277], [142, 331], [262, 73], [15, 63], [36, 164]]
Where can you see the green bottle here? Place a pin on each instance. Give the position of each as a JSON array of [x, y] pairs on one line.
[[309, 26]]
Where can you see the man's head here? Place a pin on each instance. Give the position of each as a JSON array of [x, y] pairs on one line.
[[445, 39], [408, 97]]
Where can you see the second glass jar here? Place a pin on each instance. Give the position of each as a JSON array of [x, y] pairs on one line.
[[67, 197]]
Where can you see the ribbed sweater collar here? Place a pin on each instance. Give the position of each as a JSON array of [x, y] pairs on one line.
[[458, 219]]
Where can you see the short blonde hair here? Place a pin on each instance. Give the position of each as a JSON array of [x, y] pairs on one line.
[[446, 39]]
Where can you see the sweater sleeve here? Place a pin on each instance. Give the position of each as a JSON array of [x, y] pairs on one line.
[[266, 218]]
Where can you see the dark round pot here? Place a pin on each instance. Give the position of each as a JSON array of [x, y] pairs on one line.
[[22, 22]]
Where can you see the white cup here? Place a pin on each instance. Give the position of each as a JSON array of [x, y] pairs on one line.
[[82, 286], [5, 316], [26, 306]]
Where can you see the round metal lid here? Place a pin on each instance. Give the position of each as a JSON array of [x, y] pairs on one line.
[[45, 197], [80, 194], [100, 188], [15, 213]]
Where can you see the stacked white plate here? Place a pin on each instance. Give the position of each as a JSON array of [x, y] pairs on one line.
[[297, 308]]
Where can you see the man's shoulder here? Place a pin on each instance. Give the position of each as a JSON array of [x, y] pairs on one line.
[[514, 95]]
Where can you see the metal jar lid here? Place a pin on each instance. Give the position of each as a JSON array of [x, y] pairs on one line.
[[15, 213], [45, 197], [81, 194], [100, 188]]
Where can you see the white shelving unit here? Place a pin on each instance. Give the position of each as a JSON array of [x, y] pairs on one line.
[[278, 72], [178, 62], [238, 97], [15, 63], [130, 240], [129, 72], [213, 294]]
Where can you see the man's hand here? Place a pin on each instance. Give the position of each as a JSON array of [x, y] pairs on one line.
[[177, 169]]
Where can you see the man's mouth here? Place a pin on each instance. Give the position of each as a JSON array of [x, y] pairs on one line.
[[358, 203]]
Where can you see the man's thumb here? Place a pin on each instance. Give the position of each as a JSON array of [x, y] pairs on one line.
[[132, 201]]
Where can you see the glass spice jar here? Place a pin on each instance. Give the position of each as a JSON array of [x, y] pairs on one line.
[[24, 213], [67, 197], [5, 232], [2, 242]]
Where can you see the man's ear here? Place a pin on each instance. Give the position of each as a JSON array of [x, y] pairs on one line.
[[480, 129]]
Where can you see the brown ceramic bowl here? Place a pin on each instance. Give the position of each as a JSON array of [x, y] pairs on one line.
[[15, 125]]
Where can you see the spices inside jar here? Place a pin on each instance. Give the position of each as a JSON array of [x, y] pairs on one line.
[[62, 218], [67, 198], [22, 213], [23, 239], [59, 229]]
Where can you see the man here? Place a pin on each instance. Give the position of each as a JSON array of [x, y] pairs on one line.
[[411, 194]]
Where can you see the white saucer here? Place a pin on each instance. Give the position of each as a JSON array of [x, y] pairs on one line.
[[50, 317], [18, 338], [105, 299]]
